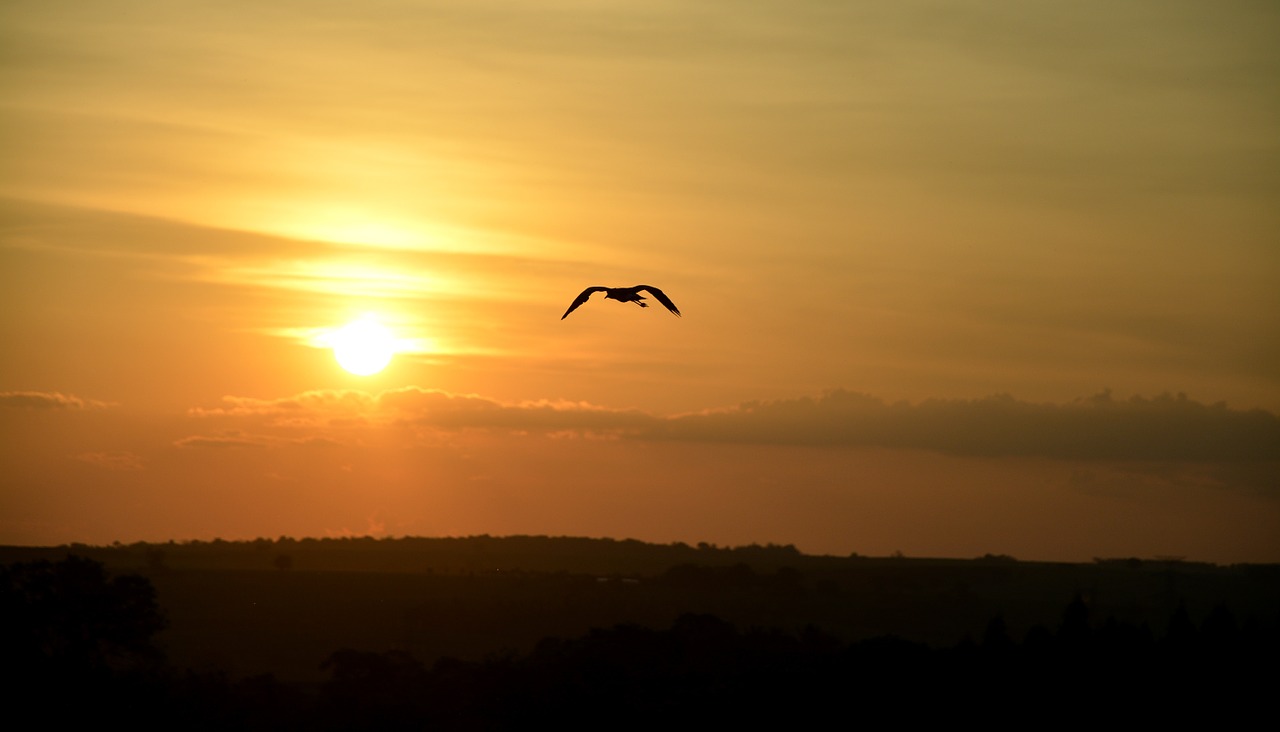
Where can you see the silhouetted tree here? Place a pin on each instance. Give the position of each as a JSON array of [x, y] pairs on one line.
[[996, 642], [76, 644], [1074, 630], [1220, 635], [69, 616], [374, 691], [1180, 638]]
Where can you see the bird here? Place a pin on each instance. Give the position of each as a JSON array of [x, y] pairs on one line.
[[624, 294]]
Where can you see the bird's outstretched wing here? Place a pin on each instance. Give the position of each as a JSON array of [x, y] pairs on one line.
[[662, 297], [581, 299]]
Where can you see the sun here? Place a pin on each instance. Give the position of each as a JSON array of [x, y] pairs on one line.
[[363, 347]]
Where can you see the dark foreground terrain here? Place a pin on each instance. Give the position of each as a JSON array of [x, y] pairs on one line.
[[501, 633]]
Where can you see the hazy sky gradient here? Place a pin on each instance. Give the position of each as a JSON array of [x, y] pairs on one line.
[[956, 279]]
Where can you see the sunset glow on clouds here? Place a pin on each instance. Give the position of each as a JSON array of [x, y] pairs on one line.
[[1000, 278]]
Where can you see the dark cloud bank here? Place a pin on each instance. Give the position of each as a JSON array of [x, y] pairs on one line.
[[46, 400], [1167, 427], [1162, 428]]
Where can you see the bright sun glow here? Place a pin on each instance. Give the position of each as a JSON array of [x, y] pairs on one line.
[[364, 347]]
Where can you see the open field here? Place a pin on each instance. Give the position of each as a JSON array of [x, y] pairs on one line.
[[283, 606]]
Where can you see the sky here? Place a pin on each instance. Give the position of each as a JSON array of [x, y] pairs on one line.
[[999, 277]]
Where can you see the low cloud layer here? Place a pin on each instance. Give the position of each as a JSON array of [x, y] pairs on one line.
[[1101, 427], [113, 460], [219, 442], [47, 400], [431, 408]]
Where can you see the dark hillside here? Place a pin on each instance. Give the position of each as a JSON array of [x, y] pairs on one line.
[[283, 606]]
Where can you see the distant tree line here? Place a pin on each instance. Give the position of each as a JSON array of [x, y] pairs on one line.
[[79, 646], [479, 553], [482, 553]]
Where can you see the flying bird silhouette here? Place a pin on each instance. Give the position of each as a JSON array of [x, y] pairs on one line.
[[624, 294]]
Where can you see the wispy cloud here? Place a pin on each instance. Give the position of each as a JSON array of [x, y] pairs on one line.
[[222, 442], [426, 407], [113, 460], [1102, 427], [47, 400]]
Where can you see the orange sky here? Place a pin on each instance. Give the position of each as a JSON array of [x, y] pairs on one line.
[[955, 280]]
